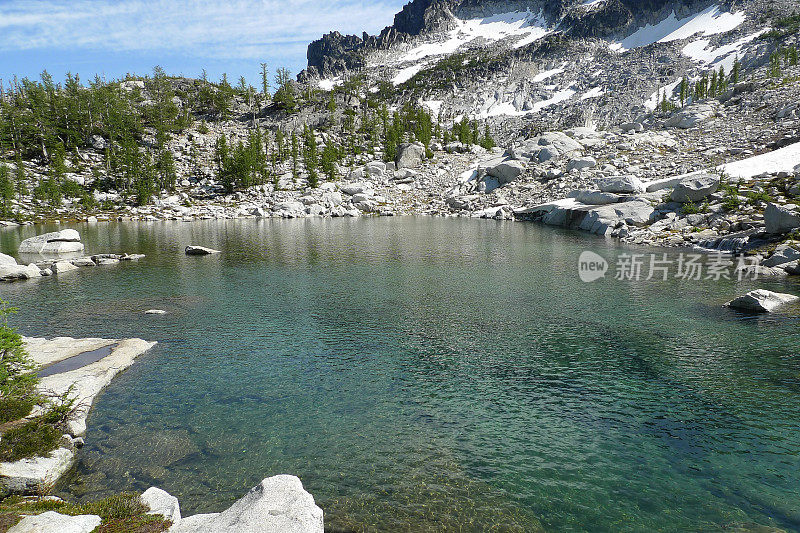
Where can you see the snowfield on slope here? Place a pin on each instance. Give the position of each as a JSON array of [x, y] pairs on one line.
[[711, 21], [528, 26], [724, 55], [781, 160], [524, 26]]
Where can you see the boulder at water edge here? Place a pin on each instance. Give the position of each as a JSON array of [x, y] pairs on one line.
[[279, 504], [161, 502], [761, 301], [58, 242], [53, 522]]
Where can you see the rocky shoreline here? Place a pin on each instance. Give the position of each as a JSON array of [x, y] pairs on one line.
[[83, 384], [277, 504]]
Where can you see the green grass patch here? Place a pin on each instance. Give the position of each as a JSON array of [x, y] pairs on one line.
[[33, 438], [121, 513]]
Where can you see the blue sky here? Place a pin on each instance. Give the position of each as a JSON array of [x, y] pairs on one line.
[[113, 38]]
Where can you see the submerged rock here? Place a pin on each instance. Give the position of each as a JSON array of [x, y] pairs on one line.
[[278, 504], [761, 301]]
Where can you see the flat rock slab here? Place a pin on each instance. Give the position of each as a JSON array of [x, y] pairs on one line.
[[29, 475], [53, 522]]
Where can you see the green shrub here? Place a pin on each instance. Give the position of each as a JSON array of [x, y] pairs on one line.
[[34, 438], [754, 198], [690, 208], [14, 409]]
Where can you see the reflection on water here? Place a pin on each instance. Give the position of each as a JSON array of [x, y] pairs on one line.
[[430, 375]]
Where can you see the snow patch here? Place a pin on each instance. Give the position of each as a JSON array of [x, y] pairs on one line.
[[407, 73], [529, 27], [329, 84], [724, 55], [593, 93], [434, 106], [710, 21], [781, 160], [657, 96], [547, 74]]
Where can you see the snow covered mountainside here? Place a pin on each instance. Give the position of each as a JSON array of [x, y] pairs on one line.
[[546, 63]]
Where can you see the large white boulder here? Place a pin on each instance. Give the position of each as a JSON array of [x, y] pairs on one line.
[[761, 301], [695, 188], [690, 116], [781, 218], [506, 171], [60, 267], [7, 260], [580, 163], [562, 142], [57, 242], [29, 476], [278, 504], [161, 502], [620, 184], [410, 155], [53, 522], [595, 197]]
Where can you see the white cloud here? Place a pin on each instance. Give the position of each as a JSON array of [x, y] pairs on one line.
[[240, 29]]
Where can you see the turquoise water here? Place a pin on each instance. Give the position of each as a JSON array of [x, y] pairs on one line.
[[425, 374]]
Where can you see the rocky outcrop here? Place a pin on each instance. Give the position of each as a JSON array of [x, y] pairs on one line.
[[278, 504], [761, 301]]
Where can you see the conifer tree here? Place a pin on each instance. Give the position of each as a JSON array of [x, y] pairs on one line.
[[735, 71], [6, 191]]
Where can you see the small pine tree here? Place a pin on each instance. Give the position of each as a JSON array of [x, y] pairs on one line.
[[735, 71], [684, 90], [487, 141]]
